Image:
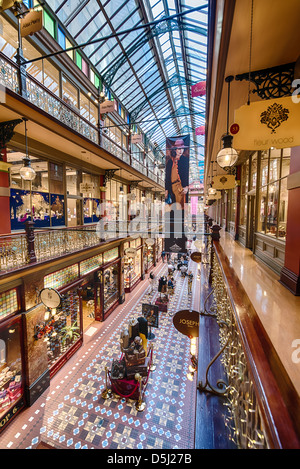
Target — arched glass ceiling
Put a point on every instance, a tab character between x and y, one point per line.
150	70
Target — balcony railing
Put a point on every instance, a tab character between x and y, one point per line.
40	96
261	414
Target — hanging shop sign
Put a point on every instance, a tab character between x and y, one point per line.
196	257
50	298
150	241
198	244
31	23
108	106
86	187
200	130
216	196
130	252
137	138
187	322
224	181
268	123
199	89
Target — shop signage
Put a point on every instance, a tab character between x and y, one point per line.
224	181
150	241
13	411
32	22
86	187
196	257
137	138
131	196
267	123
187	322
108	106
50	298
130	252
215	196
199	89
200	130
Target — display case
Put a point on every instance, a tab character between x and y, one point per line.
11	370
65	330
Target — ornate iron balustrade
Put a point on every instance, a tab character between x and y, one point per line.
40	96
261	402
13	251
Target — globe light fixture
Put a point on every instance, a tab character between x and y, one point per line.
227	156
27	172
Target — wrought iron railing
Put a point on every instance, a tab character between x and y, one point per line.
40	96
257	415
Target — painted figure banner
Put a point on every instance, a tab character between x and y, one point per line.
176	192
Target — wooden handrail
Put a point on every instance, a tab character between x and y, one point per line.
278	400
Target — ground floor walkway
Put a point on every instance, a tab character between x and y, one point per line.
72	414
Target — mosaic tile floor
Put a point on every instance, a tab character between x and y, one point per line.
72	413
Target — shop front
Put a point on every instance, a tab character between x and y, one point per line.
12	398
149	255
108	282
133	268
62	326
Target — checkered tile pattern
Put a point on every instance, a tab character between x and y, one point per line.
73	414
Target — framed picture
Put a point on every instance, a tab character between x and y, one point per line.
150	312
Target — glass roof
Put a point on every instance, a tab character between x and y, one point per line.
149	69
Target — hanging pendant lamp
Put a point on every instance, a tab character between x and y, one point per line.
227	156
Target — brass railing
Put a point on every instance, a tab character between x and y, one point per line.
243	418
259	412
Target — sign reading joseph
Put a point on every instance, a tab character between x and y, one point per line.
268	123
187	322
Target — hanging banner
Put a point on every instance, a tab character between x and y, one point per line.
176	192
200	130
224	181
137	138
268	123
199	89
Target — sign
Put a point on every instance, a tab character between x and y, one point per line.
268	123
177	192
108	106
86	187
200	130
187	322
196	257
216	196
32	22
151	313
234	128
50	297
223	181
137	138
130	252
150	241
199	89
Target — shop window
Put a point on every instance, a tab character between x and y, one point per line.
11	386
41	181
69	92
56	178
35	69
23	203
72	181
61	277
273	197
8	38
65	325
51	77
90	210
132	269
111	286
253	175
90	264
57	210
9	303
88	109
